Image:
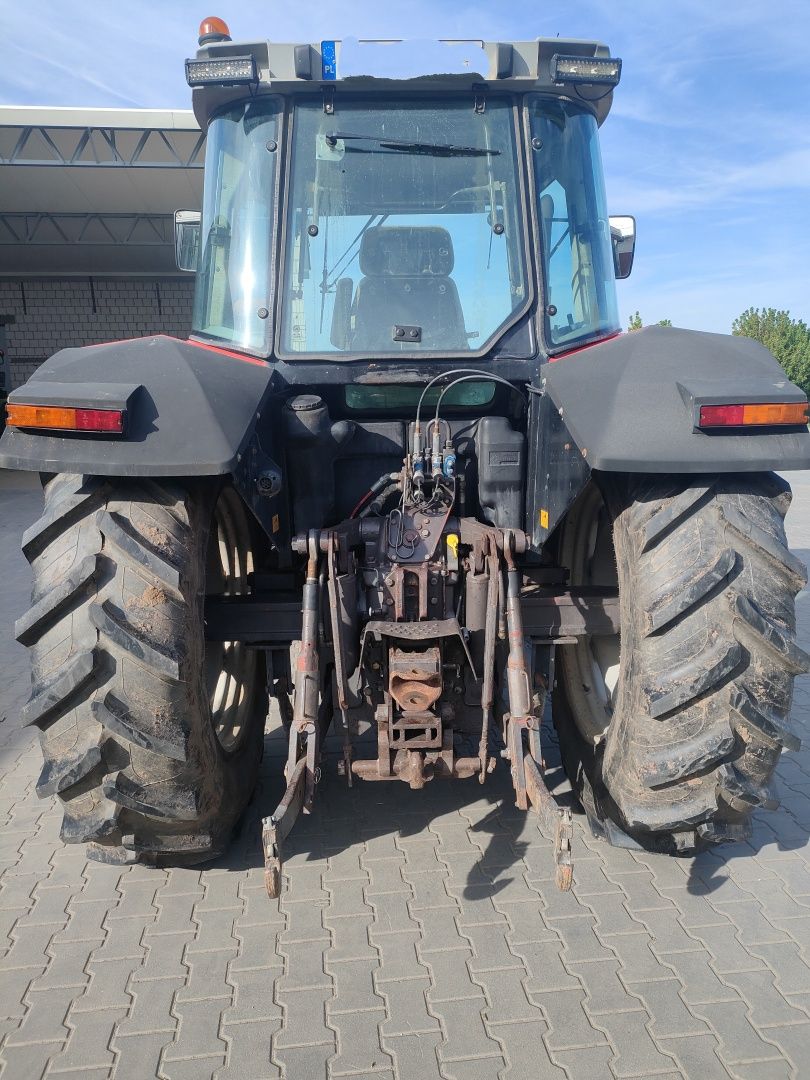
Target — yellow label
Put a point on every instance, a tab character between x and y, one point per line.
544	519
452	544
276	523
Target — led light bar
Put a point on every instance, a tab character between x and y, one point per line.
762	414
229	71
59	418
600	70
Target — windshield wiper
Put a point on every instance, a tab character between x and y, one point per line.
437	149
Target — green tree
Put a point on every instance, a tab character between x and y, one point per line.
788	339
636	322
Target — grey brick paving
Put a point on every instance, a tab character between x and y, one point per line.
418	935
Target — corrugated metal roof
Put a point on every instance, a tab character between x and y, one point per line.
93	191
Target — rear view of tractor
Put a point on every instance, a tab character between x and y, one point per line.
408	478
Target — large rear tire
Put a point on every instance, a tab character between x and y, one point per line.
151	736
671	732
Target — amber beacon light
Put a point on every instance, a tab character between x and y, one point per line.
213	29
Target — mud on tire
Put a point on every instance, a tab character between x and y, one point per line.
126	694
699	713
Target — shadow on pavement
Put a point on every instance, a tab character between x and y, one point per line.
371	810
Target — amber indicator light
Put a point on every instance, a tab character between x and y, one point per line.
59	418
763	414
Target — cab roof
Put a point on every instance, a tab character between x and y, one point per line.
362	67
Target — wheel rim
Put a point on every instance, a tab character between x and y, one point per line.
592	666
230	666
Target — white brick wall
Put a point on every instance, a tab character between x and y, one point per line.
52	314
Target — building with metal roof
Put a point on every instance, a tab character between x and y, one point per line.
87	199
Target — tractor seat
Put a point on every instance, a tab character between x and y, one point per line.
406	282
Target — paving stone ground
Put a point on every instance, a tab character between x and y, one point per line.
419	934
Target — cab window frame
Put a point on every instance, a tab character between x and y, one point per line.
542	321
522	188
263	350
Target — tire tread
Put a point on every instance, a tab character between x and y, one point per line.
703	715
118	688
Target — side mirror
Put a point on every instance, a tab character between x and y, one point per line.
187	239
623	240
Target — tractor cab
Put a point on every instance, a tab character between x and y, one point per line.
449	215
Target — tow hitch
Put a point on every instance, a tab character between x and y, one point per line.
410	658
276	827
303	761
523	727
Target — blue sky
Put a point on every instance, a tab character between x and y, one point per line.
708	142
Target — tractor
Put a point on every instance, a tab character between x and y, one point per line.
408	477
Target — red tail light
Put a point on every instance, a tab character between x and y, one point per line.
762	414
59	418
100	420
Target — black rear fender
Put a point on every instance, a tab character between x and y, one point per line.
191	411
631	405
